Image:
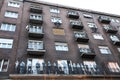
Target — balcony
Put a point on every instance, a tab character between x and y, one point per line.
35	9
104	19
115	40
73	15
36	33
81	37
76	25
87	53
110	29
36	51
37	19
35	47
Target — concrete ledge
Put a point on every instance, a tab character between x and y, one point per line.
63	77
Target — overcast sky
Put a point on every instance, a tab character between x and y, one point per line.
108	6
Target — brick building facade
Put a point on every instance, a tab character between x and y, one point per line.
39	38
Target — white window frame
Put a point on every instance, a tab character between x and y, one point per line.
80	34
72	12
113	67
32	62
64	65
2	63
11	14
33	46
35	29
61	46
6	43
88	16
91	65
118	49
14	4
36	16
54	10
98	36
104	50
8	27
55	19
114	38
91	25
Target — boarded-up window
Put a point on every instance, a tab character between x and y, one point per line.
83	46
58	32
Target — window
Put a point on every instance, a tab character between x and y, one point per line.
87	16
36	16
107	27
58	32
11	14
71	12
35	65
90	66
14	4
118	49
75	22
92	25
80	34
98	36
63	65
35	29
6	43
35	45
84	48
54	10
8	27
104	50
113	67
55	19
4	65
61	46
114	38
115	20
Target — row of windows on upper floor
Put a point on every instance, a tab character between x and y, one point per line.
75	23
39	29
59	46
35	66
52	10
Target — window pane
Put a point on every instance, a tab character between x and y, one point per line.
7	27
11	14
104	50
113	67
61	46
6	43
98	36
13	4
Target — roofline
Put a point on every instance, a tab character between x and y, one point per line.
73	8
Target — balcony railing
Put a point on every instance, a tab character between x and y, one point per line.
104	19
76	25
115	40
73	14
81	37
35	9
37	33
37	19
31	51
110	29
57	70
87	53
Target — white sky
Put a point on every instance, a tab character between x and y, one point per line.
108	6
